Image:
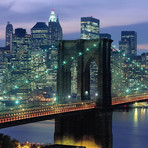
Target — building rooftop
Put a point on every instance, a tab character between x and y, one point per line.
40	25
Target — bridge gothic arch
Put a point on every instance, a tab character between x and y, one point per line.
84	51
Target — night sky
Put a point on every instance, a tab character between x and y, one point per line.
115	16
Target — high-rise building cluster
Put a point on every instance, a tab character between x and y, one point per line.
129	70
28	55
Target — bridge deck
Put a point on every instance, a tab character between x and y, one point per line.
23	114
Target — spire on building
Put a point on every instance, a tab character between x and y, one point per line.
52	17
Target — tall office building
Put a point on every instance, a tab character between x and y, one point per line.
55	29
39	36
90	28
21	61
9	32
128	43
55	34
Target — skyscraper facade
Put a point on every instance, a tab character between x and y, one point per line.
21	61
9	32
128	43
39	36
55	29
55	34
90	28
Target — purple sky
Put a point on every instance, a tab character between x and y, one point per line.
114	15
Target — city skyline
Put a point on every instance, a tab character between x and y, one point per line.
114	17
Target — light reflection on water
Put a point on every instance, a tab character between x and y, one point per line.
130	130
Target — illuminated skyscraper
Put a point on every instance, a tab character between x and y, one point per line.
55	29
20	60
90	28
128	43
55	34
44	53
9	32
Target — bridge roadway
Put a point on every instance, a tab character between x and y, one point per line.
37	112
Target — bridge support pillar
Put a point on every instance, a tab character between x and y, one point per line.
90	129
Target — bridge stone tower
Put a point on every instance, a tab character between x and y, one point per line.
84	52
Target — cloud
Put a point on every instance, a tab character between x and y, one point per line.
142	47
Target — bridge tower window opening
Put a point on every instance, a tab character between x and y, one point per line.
93	80
74	71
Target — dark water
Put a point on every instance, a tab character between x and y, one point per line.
130	130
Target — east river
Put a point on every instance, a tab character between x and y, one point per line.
129	127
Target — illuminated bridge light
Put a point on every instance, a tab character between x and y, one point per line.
46	71
4	92
80	53
15	86
87	49
55	67
72	58
64	62
27	81
16	102
127	90
95	45
37	76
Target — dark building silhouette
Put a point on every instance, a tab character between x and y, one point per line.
39	36
9	32
105	35
128	43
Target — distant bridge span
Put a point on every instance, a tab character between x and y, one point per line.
129	99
